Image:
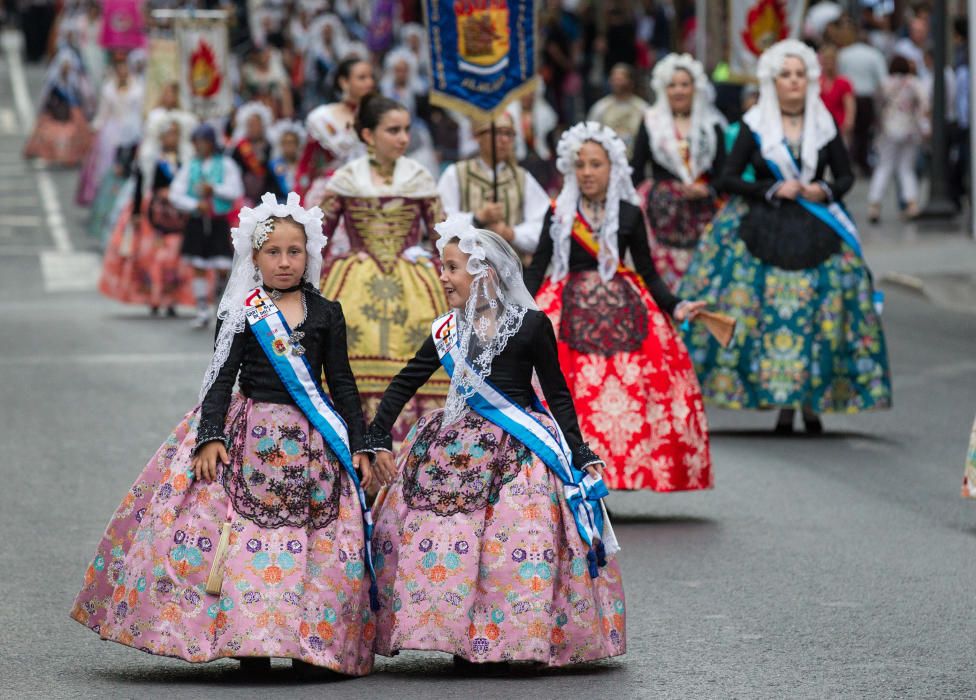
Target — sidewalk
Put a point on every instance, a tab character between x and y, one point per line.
934	259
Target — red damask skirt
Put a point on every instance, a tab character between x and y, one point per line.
635	391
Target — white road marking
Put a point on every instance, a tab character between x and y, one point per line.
11	42
8	122
70	271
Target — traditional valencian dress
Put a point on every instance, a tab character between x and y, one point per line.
636	394
387	283
142	262
478	551
287	511
61	135
118	123
631	378
791	272
332	143
253	156
677	223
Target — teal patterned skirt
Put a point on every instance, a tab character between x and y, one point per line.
803	337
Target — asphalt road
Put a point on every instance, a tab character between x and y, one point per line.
839	566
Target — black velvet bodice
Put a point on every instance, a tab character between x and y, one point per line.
326	351
643	155
631	236
532	348
778	231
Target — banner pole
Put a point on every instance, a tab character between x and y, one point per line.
494	165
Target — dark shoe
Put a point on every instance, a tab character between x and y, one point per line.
784	424
171	312
311	672
154	311
812	424
255	664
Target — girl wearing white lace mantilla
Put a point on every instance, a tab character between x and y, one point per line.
783	257
631	377
492	542
682	139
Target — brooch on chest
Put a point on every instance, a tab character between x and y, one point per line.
291	346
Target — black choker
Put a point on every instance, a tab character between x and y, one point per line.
793	115
276	294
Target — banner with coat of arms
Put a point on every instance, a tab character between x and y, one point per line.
482	53
205	87
755	25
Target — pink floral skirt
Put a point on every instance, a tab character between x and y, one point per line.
295	583
477	554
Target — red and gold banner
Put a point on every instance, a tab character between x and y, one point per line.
755	25
204	62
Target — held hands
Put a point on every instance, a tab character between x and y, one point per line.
205	463
380	473
503	230
595	470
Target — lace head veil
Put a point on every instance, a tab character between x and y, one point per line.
250	235
765	118
704	116
619	188
495	308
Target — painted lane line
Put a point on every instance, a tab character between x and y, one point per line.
11	42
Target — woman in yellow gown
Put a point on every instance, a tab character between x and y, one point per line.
386	280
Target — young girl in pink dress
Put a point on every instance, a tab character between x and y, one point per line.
247	534
491	542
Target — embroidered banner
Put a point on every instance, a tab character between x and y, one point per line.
205	86
755	25
483	53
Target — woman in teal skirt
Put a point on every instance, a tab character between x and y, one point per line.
783	258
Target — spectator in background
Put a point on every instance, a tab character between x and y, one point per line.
837	92
960	152
864	65
913	46
904	114
621	110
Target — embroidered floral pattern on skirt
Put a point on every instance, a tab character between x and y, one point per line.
641	410
676	225
804	337
295	590
477	554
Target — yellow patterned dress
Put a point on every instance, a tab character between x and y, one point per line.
386	281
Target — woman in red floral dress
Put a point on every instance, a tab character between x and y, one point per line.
632	381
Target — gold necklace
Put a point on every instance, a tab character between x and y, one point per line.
384	171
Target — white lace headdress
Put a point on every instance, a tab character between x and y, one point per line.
619	188
659	120
250	235
765	117
282	127
245	112
495	308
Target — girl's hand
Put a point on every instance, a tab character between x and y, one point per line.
595	470
696	191
790	189
688	310
814	193
205	463
361	463
385	467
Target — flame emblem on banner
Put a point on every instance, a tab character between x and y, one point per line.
765	25
484	37
204	73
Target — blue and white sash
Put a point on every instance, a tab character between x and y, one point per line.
273	335
832	213
582	490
